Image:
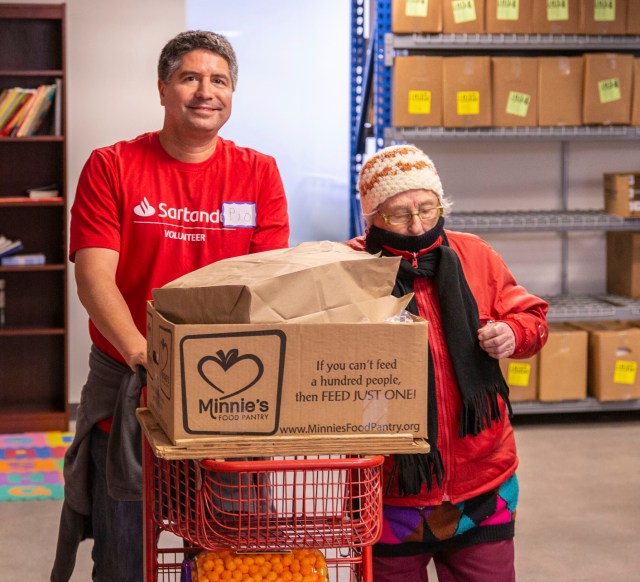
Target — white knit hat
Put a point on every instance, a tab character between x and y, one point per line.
397	169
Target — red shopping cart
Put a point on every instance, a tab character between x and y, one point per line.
328	502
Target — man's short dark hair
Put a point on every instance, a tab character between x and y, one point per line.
185	42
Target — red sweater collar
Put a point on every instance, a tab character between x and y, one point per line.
413	257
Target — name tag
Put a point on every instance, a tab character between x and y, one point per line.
239	214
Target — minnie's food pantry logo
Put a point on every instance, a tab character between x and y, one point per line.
232	382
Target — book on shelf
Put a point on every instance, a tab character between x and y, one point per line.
42	192
23	260
9	247
23	111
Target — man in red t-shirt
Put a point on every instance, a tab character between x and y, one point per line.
147	211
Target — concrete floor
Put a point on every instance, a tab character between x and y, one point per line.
578	517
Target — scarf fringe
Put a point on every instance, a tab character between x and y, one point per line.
482	408
412	471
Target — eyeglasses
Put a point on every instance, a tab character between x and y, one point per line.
424	214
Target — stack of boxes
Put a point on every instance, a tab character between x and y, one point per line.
599	359
483	91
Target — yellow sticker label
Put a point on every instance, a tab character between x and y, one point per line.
625	372
518	374
416	8
468	103
464	11
604	10
508	10
609	90
518	103
557	10
420	102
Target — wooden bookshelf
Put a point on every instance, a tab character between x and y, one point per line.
33	341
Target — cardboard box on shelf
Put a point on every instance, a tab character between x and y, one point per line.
633	17
562	364
603	16
417	92
515	91
467	92
509	17
623	263
614	359
560	90
608	86
522	377
556	16
635	104
463	16
287	378
622	194
416	16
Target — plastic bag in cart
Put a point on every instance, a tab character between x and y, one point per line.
297	565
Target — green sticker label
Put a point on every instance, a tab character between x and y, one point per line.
508	10
557	10
625	372
518	374
464	11
468	103
518	103
609	90
420	102
416	8
604	10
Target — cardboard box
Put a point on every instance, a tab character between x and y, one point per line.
603	16
623	263
635	104
515	91
622	194
560	91
633	17
286	379
608	86
417	92
509	16
463	16
467	92
522	377
614	359
562	364
409	16
556	16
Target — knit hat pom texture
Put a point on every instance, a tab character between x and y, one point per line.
393	170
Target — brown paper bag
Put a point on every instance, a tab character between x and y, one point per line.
280	285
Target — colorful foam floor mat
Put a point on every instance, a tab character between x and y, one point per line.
31	465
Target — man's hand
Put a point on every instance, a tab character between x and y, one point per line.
497	339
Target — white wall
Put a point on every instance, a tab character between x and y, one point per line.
292	100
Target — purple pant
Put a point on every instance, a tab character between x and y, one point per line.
490	562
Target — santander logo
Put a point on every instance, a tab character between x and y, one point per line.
144	208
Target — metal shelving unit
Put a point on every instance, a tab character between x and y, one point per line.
539	221
371	84
569	133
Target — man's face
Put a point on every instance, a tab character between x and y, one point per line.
197	97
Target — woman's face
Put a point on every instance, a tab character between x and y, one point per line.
410	213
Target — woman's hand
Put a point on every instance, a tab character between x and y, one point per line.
497	339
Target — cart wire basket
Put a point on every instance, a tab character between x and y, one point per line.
328	501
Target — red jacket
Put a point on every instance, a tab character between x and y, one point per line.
473	464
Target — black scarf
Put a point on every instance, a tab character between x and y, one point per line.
478	375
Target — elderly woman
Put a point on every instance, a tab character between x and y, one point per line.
457	504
